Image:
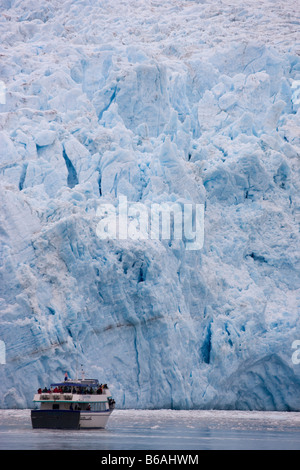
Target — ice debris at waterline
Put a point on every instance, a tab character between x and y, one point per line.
179	101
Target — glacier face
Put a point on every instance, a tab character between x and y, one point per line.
186	101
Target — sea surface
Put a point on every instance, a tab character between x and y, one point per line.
160	430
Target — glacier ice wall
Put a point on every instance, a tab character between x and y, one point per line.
184	101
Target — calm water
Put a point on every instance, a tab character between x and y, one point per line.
160	430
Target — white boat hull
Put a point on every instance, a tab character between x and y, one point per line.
90	419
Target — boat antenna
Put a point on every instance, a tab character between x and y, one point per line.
82	372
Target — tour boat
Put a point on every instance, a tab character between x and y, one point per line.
78	404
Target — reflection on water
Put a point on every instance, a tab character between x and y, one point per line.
160	430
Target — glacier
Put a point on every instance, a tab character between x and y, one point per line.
182	101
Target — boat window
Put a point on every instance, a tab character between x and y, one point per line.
55	406
101	406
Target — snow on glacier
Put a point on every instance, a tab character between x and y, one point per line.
190	101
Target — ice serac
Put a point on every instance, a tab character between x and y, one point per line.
188	102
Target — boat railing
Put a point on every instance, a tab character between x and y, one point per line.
56	396
68	395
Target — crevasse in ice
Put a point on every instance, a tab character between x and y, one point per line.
190	102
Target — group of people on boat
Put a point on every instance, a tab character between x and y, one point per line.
73	389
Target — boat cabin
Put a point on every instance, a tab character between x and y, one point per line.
84	395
